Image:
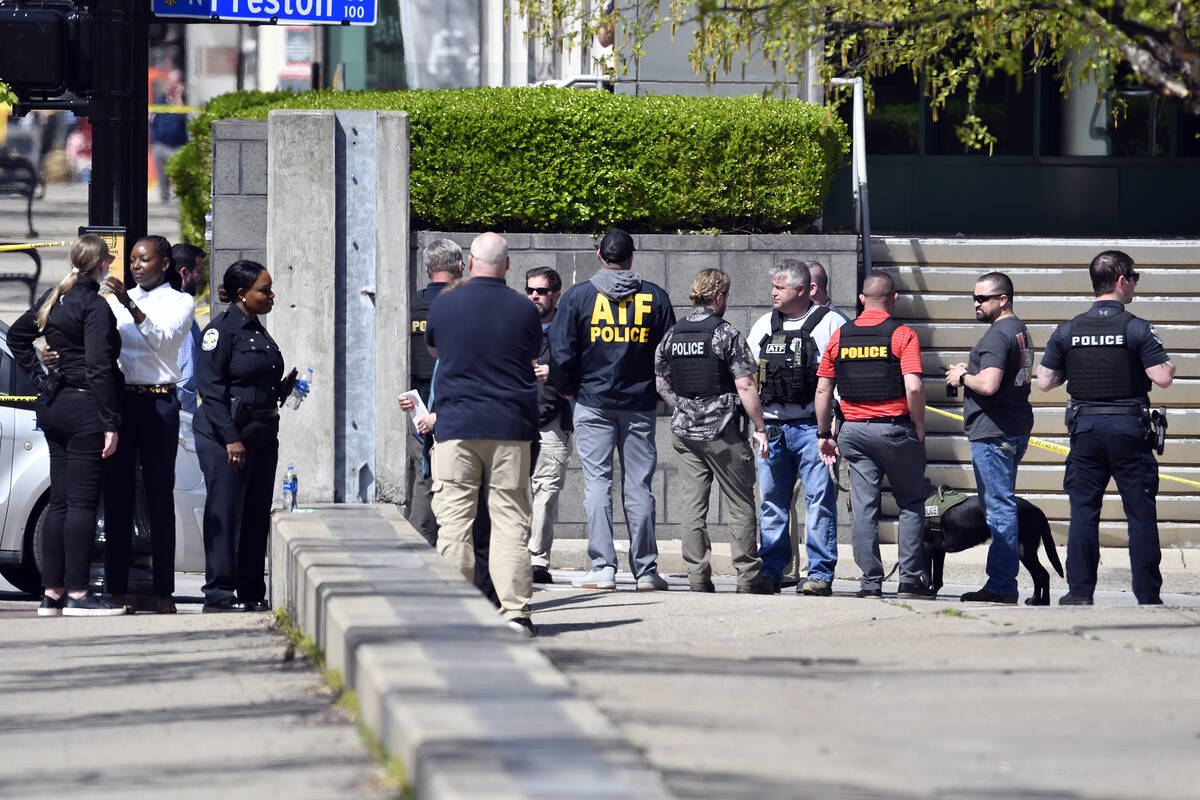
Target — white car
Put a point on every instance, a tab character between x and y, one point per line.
25	492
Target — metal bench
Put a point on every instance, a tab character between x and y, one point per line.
30	279
19	177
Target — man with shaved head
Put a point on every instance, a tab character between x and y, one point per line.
486	337
875	363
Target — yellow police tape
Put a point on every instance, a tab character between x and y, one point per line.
25	401
7	247
162	108
1058	448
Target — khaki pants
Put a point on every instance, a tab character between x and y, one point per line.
731	461
549	474
460	467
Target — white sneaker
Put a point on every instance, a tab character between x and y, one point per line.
652	582
603	578
523	626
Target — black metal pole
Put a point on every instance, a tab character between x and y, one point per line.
120	47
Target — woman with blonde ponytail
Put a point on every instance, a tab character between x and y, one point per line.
78	408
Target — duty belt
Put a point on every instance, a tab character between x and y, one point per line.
153	388
264	413
1091	411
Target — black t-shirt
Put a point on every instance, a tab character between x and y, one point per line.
1007	346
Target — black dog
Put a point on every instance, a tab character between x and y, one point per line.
964	525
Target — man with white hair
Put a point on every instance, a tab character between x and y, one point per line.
486	337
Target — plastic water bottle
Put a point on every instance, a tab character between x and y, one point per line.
289	489
300	390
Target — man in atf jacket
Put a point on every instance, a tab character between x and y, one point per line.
602	344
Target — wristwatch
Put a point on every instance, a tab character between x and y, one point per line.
826	435
962	377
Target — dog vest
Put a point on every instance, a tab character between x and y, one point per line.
787	362
936	505
696	369
867	370
1100	365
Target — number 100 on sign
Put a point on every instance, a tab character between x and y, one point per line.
309	12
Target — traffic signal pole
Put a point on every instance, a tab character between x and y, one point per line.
118	112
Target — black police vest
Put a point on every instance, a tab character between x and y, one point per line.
1100	364
420	362
787	361
696	369
867	369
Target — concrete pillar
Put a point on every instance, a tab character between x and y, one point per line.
337	250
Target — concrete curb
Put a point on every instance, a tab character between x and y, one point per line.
1180	567
472	709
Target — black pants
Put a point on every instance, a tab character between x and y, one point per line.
149	436
1104	446
75	437
237	514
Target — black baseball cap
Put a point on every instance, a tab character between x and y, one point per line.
616	247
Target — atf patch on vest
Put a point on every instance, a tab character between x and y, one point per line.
210	339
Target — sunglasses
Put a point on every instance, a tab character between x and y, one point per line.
1133	276
540	291
983	298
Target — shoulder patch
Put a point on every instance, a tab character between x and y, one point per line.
1154	335
210	339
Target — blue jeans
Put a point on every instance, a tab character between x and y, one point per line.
794	452
995	462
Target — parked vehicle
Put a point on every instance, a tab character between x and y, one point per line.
25	492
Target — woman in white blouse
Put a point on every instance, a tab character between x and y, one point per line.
153	319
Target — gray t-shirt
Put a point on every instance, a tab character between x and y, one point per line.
1008	346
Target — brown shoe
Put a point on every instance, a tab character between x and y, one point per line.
166	605
123	602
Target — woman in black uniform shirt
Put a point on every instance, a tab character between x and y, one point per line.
78	408
238	376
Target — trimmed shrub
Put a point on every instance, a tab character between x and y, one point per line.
555	160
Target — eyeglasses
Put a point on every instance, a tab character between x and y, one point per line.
540	291
983	298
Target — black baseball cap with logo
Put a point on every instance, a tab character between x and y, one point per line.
616	247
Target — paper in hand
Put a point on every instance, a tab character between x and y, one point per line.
419	409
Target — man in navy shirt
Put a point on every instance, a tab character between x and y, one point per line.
1109	358
486	338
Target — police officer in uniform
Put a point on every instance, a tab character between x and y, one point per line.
788	342
703	366
875	363
443	264
239	371
1109	358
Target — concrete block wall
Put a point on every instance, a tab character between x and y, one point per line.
239	195
672	261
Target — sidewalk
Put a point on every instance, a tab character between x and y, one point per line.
152	706
1180	567
742	696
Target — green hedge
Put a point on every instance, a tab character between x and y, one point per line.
555	160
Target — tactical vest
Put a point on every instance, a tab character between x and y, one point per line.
936	506
867	369
696	369
1100	364
787	361
419	360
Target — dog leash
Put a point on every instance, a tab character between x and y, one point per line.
1061	450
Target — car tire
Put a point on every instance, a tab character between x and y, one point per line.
27	576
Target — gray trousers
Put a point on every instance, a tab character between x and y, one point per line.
630	434
731	461
873	450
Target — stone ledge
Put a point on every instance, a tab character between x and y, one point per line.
472	710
